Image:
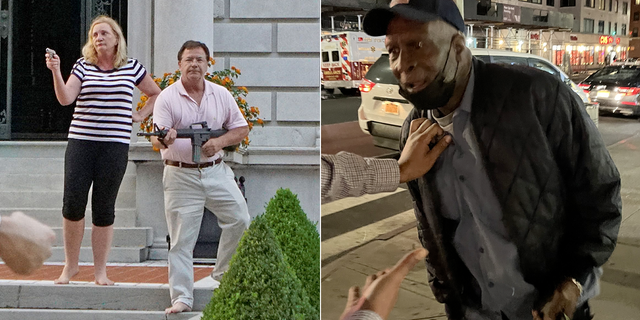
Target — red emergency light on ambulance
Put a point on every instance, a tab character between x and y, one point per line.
346	57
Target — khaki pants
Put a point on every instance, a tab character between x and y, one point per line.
186	193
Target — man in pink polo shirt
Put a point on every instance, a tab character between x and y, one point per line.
190	187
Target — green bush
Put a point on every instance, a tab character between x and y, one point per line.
259	284
299	240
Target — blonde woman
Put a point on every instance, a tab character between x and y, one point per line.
101	83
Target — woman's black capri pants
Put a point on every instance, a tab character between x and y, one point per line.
92	162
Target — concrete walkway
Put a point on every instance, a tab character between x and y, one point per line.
620	284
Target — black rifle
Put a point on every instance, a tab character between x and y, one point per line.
198	136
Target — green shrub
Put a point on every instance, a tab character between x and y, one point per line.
259	284
299	240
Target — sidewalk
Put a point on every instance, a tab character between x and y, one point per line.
620	284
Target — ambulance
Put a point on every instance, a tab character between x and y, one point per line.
346	57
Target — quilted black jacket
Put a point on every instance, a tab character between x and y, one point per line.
554	179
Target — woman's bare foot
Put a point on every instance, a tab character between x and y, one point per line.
67	274
177	308
103	280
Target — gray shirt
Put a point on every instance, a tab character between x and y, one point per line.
481	238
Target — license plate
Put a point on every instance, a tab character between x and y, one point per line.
390	107
603	94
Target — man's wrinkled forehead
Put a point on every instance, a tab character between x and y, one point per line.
194	53
400	26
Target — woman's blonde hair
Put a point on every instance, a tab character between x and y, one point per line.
89	51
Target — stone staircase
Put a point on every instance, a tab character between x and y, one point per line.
32	181
25	301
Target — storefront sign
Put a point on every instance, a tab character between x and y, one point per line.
535	36
511	14
607	40
617	40
573	37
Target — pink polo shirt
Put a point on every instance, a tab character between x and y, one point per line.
174	108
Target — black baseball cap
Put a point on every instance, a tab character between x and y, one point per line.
377	20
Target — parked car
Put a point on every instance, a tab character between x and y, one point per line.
383	110
616	88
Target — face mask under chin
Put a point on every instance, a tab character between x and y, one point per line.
435	95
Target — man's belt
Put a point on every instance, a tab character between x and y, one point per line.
192	165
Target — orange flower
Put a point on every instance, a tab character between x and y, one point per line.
157	80
212	61
171	81
259	121
242	111
166	74
244	89
250	125
242	101
253	109
144	98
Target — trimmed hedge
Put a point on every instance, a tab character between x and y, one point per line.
299	240
259	283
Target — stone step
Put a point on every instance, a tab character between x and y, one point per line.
49	182
29	165
53	217
46	295
22	314
53	199
118	254
33	149
122	237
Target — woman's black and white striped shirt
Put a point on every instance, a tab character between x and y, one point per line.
103	107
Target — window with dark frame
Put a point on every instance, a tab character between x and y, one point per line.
601	27
588	25
551	3
615	29
635	32
567	3
636	16
602	4
610	5
624	30
625	7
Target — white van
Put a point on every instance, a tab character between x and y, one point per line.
383	110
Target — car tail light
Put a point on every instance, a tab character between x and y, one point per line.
629	91
585	87
366	85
